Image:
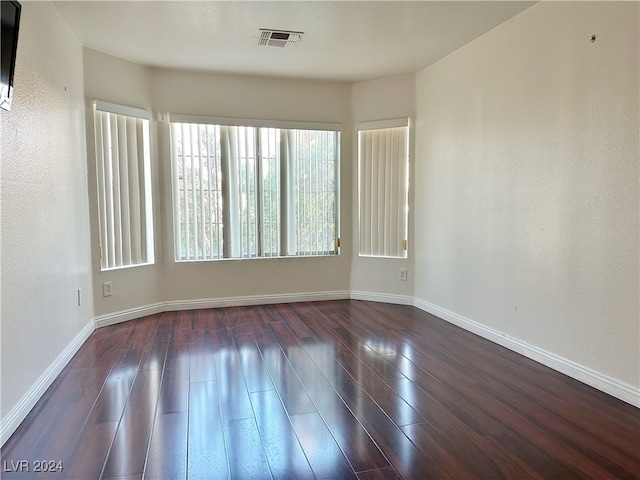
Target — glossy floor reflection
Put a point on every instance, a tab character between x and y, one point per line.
328	390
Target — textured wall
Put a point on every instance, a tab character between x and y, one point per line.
527	183
45	226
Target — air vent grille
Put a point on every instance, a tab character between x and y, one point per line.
279	38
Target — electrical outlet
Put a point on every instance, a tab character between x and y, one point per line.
107	289
403	274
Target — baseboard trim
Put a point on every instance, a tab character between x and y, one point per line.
382	297
623	391
20	411
172	306
129	314
256	300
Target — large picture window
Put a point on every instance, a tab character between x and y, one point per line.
254	190
124	185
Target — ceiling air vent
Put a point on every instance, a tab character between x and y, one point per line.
279	38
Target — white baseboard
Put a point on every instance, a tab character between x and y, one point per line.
623	391
172	306
382	297
256	300
126	315
20	411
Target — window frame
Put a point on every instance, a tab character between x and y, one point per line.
257	124
107	226
403	184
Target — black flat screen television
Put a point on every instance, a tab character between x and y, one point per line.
9	23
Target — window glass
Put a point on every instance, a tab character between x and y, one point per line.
249	192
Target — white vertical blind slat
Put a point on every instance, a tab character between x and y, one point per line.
258	202
201	204
364	187
279	189
377	145
117	217
395	214
386	247
301	190
133	210
208	219
373	201
246	251
214	131
125	217
194	191
391	246
225	154
108	192
185	191
145	225
231	216
288	203
402	193
322	244
101	146
314	218
177	218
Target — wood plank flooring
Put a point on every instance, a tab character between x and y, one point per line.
327	390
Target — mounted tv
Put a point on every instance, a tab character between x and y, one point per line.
9	23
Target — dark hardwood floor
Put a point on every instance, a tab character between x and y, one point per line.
329	390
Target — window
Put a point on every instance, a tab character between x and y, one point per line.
124	185
265	189
383	187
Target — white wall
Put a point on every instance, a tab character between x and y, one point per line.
527	183
45	224
382	99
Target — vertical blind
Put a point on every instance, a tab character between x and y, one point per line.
383	183
124	185
248	192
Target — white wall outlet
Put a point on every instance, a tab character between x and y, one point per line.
107	289
403	274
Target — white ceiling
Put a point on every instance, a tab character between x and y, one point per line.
344	40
